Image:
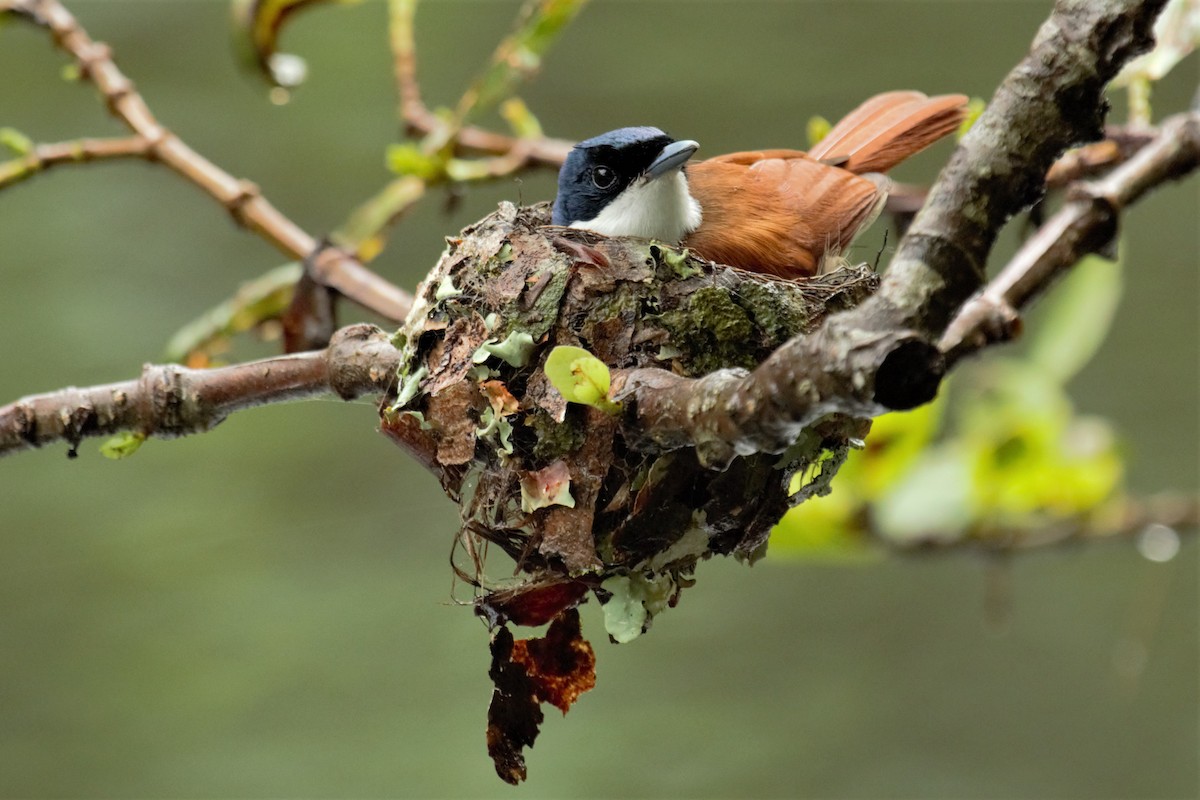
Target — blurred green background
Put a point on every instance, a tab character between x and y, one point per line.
266	610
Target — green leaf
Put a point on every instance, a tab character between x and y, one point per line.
515	350
16	141
580	377
522	121
408	159
975	107
817	129
932	501
520	54
123	445
634	602
1075	318
409	386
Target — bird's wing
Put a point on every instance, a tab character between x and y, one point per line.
782	216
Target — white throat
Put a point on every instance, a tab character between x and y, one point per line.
661	208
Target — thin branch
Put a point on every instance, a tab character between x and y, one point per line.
1086	224
1120	144
418	119
42	157
404	59
242	199
1178	512
169	401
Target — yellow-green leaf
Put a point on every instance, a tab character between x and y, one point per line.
975	107
1074	319
16	141
123	445
408	159
817	129
580	377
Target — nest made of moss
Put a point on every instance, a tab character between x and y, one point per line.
557	486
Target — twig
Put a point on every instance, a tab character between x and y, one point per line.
404	60
1086	224
1178	512
79	151
170	401
416	116
264	298
1119	145
242	199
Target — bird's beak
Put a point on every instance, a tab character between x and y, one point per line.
672	157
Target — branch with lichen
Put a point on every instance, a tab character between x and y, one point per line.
881	355
169	401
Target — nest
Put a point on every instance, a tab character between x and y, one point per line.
556	486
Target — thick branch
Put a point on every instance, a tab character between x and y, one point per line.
1050	101
169	401
1086	224
732	412
879	355
242	199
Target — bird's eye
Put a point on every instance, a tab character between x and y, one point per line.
603	177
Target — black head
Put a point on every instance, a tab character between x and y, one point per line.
599	169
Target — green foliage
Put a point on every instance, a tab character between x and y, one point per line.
520	119
409	159
515	350
520	54
1007	454
123	445
975	107
817	129
17	142
580	377
1078	314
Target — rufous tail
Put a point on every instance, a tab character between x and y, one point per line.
889	128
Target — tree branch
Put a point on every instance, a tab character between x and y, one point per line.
242	199
1086	224
42	157
170	401
879	356
518	152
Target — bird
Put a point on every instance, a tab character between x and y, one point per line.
784	213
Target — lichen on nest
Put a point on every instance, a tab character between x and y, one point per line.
555	485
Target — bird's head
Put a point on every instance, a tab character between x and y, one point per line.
628	182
